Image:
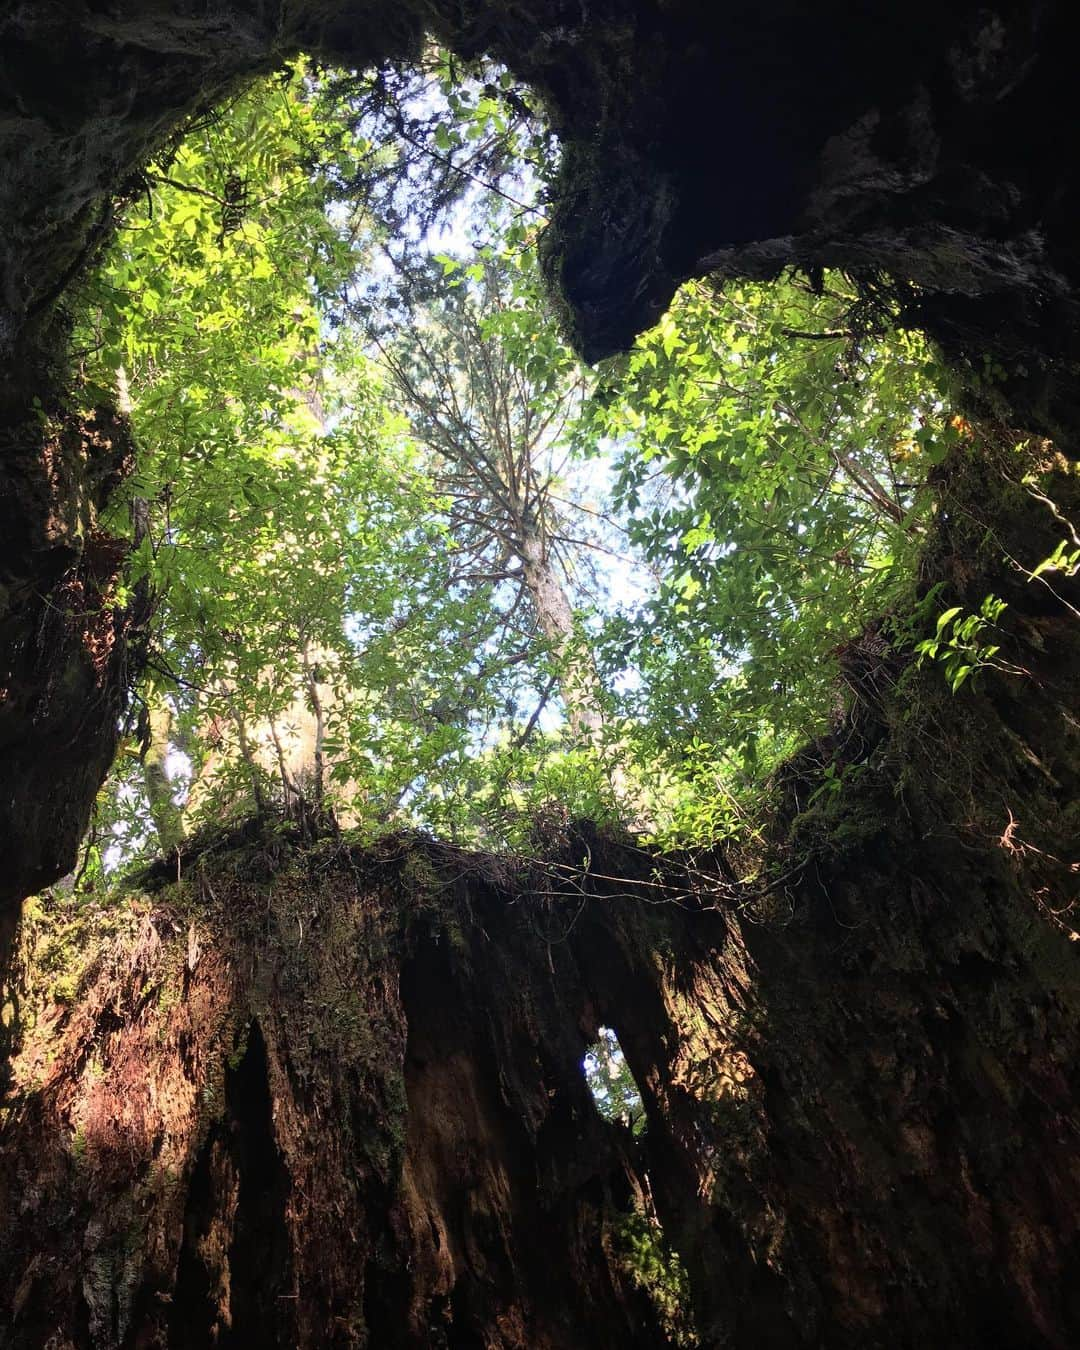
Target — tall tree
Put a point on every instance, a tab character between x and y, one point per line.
492	394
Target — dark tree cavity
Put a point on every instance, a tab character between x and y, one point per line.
336	1098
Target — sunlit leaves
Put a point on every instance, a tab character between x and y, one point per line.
343	441
772	461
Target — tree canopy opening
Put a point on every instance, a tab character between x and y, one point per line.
410	562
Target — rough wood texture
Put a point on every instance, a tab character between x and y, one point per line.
334	1100
320	1104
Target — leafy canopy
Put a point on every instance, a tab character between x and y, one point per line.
359	429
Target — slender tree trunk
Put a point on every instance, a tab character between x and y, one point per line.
318	712
166	815
578	680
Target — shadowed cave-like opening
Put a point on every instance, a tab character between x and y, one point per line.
238	1199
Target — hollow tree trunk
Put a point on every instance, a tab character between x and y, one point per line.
317	1105
344	1098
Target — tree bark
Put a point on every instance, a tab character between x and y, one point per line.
166	815
578	681
326	1114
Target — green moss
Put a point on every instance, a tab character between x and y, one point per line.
65	989
240	1048
78	1146
657	1269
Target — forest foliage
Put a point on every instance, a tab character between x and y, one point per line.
412	562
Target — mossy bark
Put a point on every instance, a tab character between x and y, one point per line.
333	1098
